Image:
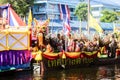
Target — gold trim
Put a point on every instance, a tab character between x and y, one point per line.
18	40
18	32
8	46
3	46
19	49
7	41
28	39
3	34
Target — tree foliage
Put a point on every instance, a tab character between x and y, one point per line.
3	1
81	11
108	16
20	6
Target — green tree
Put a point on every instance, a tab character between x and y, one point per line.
108	16
20	6
3	1
81	11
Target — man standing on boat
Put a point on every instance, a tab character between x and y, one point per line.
113	46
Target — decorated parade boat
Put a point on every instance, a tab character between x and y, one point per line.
14	41
52	59
46	53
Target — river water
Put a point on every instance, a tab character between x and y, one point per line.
109	72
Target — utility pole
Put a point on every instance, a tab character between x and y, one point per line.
88	27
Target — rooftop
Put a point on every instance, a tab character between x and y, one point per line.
109	3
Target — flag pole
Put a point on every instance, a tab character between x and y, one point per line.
88	17
114	27
65	37
52	18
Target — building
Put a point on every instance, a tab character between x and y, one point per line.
44	9
98	5
49	8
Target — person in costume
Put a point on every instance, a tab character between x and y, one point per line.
113	46
70	44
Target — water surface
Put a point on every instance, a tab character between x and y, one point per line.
110	72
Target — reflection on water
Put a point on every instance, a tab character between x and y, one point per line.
89	73
105	73
111	72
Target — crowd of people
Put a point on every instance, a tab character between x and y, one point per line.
70	43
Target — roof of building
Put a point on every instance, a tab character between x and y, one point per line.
77	24
109	3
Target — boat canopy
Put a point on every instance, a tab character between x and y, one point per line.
9	16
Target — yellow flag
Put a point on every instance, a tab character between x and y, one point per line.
93	23
114	28
30	18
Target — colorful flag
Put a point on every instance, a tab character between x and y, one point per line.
30	18
65	16
114	28
66	27
64	11
94	24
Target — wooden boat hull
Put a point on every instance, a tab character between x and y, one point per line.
78	60
107	61
73	63
66	63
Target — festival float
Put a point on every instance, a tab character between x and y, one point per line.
14	41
